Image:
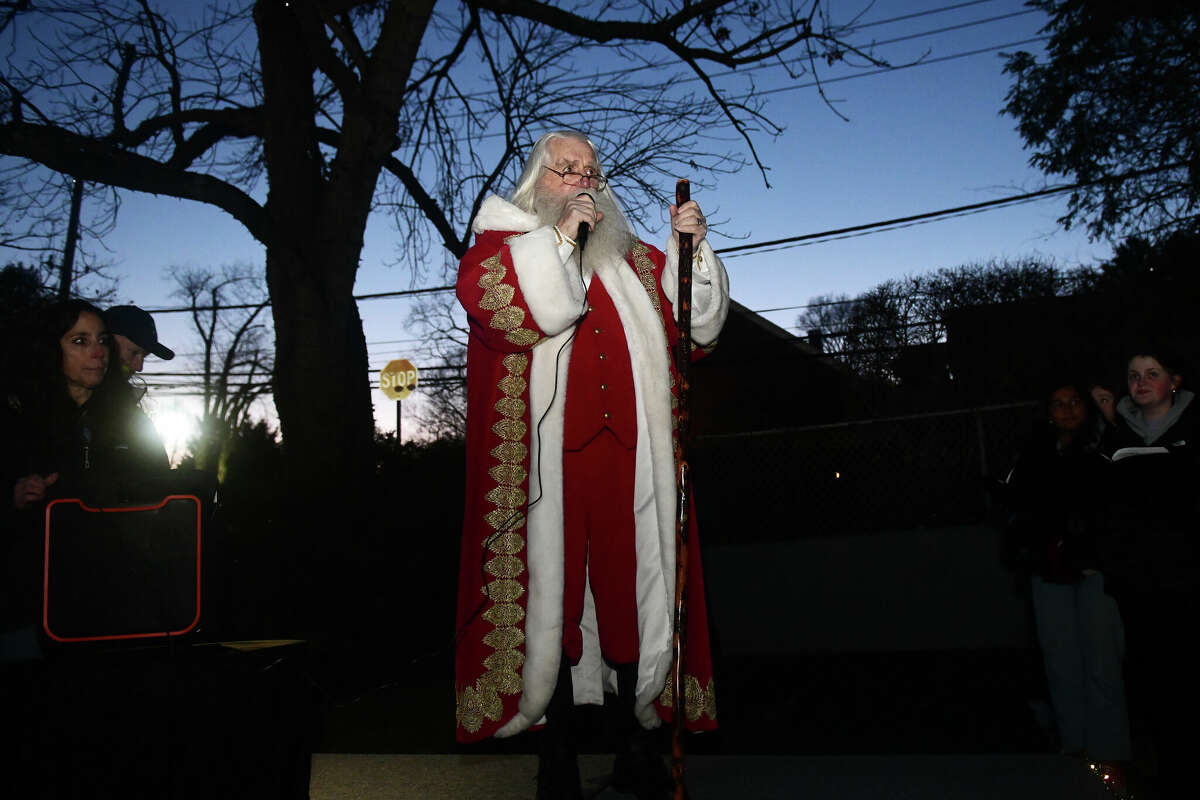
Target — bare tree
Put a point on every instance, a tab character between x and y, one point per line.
825	321
442	411
227	311
346	107
871	331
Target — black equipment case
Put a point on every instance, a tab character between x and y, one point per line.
125	563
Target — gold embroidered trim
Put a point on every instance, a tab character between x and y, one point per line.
506	544
508	318
516	364
511	407
511	429
506	496
697	702
510	452
523	337
504	567
475	704
505	660
507	681
645	271
513	386
504	590
497	297
508	474
507	614
504	638
495	272
560	237
504	518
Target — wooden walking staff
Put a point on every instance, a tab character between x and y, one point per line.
683	357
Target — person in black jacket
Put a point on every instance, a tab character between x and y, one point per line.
1056	495
71	418
1150	551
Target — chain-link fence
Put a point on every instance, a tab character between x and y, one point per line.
926	469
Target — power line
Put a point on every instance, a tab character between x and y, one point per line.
917	14
948	28
268	303
410	340
928	216
624	71
791	241
267	379
925	62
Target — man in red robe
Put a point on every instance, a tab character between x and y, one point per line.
566	584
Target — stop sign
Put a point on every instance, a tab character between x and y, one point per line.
398	379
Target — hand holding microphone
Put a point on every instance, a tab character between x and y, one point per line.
579	216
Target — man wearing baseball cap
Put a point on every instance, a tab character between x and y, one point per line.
136	337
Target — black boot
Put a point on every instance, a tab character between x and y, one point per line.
639	768
558	770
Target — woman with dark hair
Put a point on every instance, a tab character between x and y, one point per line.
74	416
1056	492
1150	551
69	419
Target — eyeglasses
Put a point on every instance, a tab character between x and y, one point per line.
572	178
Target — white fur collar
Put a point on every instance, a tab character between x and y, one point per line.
497	214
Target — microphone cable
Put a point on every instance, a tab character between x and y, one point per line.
515	518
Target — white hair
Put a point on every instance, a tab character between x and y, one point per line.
523	195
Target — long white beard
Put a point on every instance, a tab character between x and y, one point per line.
610	239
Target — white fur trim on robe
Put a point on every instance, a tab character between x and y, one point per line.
555	297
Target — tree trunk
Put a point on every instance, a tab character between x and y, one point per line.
317	218
67	270
321	391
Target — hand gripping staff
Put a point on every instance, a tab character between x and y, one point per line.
683	353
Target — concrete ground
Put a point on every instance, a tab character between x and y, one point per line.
884	726
242	720
344	776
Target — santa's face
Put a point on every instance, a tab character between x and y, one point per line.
567	154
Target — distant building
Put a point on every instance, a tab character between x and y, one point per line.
763	377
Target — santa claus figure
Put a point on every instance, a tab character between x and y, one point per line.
567	579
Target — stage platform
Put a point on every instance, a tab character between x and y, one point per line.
349	776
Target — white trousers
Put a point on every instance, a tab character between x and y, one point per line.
1083	646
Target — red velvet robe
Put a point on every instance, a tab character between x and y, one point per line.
521	303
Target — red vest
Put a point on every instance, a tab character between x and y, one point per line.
599	378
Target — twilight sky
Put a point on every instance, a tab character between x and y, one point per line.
916	139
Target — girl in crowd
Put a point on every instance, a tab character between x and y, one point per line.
1150	551
1056	490
1157	410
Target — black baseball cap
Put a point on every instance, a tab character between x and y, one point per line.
138	326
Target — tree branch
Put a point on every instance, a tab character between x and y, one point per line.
429	207
95	161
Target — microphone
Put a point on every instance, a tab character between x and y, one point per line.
581	236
